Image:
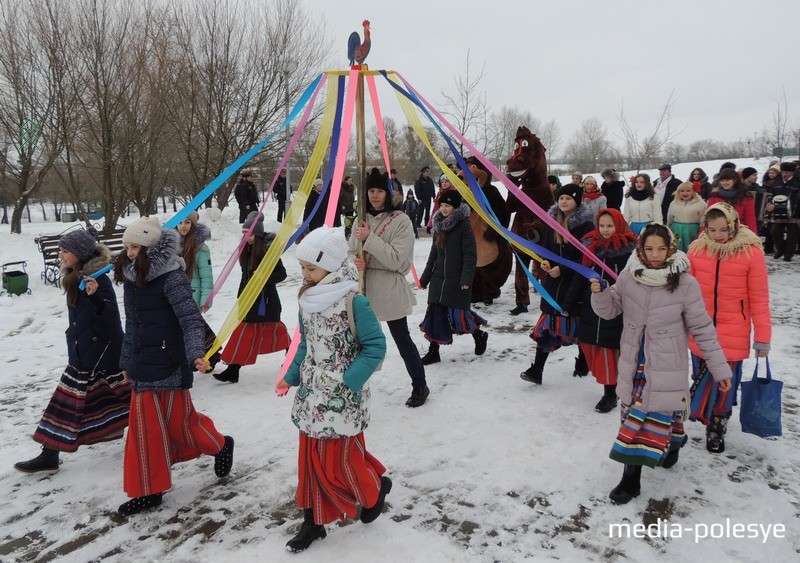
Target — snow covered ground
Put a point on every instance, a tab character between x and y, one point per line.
491	469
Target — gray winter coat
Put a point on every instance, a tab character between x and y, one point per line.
664	319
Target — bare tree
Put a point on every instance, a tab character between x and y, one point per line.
466	107
500	131
642	150
590	149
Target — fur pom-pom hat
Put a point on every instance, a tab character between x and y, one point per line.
145	231
81	243
325	247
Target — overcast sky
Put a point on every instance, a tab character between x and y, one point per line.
727	61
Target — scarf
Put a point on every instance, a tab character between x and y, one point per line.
742	238
643	273
330	289
592	195
623	237
639	195
727	195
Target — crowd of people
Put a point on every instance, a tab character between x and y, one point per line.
691	284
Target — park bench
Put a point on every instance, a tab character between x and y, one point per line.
48	246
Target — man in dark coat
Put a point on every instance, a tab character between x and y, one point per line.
397	186
613	188
280	191
246	195
785	217
425	192
665	188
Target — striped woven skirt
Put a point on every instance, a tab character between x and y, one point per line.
645	438
554	331
164	430
87	407
250	340
602	362
441	323
707	398
335	475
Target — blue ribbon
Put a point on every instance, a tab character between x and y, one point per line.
97	274
242	160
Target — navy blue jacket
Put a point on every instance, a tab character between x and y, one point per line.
94	335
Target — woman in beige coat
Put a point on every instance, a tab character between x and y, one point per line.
661	304
388	237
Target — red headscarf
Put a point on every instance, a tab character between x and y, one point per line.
622	237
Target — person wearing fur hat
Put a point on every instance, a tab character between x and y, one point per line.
449	272
731	189
261	331
424	190
341	346
661	305
387	236
553	329
613	242
641	204
685	214
728	261
92	399
784	213
164	342
613	188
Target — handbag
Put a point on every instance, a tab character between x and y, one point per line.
760	412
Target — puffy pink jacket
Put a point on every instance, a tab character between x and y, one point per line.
736	295
665	320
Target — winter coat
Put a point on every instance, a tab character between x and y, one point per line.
319	217
331	368
789	189
347	200
664	319
164	330
746	208
451	267
561	288
280	189
411	208
614	193
267	306
424	188
202	274
94	335
644	211
592	329
686	211
594	205
665	196
389	251
733	280
246	194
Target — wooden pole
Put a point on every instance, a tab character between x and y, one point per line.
361	155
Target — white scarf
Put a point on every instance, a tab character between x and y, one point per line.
676	264
329	290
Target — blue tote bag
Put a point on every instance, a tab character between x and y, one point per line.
760	412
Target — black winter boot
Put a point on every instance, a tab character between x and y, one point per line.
432	355
370	514
223	461
715	434
418	396
534	373
481	338
214	359
229	375
45	462
672	457
581	367
139	504
520	308
307	534
630	486
609	400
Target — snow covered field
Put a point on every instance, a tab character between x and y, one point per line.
491	469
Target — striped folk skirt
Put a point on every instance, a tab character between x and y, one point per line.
554	331
645	438
707	398
164	430
87	407
335	475
441	323
250	340
602	362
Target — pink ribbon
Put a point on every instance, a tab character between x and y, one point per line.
344	143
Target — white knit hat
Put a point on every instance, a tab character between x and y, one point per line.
325	247
145	231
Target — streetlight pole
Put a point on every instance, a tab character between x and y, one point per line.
289	66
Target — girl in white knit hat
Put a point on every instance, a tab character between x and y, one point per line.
341	346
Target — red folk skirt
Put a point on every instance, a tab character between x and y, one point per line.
164	429
250	340
336	474
602	362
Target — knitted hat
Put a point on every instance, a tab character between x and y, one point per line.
442	178
145	231
775	167
325	247
258	230
572	190
194	217
747	172
450	197
81	243
725	165
788	167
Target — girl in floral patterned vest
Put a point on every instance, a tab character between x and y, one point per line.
341	345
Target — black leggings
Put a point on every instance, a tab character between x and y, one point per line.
408	351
